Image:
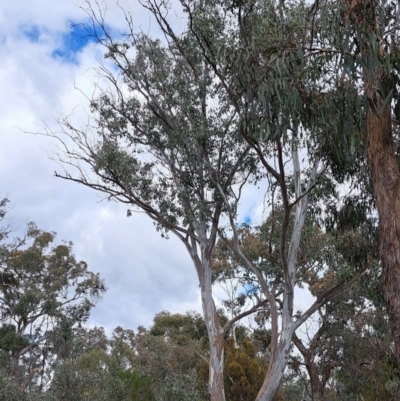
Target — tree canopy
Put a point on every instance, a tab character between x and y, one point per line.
45	293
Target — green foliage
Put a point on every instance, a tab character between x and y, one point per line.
244	372
95	376
136	387
179	387
9	390
181	329
10	341
143	367
168	119
44	293
368	365
5	228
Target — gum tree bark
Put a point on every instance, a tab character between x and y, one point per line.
280	357
282	332
385	177
383	163
215	331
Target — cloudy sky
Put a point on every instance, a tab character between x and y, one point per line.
46	70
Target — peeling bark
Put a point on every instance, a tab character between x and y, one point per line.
277	368
281	355
214	329
216	338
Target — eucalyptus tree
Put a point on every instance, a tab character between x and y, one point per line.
9	390
373	26
100	368
187	124
165	142
44	293
355	44
262	56
349	352
341	339
348	247
326	258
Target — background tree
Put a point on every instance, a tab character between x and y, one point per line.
244	371
5	227
244	367
44	293
173	351
349	247
368	367
100	368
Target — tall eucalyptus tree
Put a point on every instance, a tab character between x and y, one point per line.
375	26
285	102
166	142
357	45
188	123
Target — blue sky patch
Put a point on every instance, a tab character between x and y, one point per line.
78	36
250	288
247	220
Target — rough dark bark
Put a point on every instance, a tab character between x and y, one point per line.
318	377
385	177
386	182
383	163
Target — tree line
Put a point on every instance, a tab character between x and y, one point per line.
47	352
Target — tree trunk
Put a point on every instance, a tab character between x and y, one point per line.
215	332
276	369
277	365
317	387
382	160
386	182
216	372
216	338
385	178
